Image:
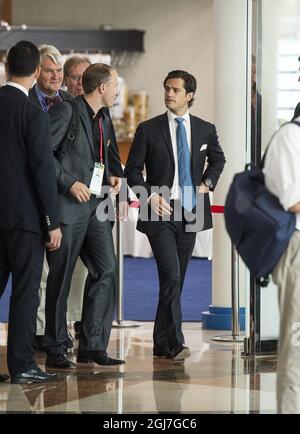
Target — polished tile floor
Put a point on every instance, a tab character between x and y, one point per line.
215	379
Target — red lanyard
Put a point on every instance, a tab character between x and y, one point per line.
101	140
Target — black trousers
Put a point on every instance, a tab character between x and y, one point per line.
92	241
172	249
21	254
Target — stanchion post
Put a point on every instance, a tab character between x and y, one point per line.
235	311
235	302
120	268
120	322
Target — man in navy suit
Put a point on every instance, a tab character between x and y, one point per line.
30	212
174	148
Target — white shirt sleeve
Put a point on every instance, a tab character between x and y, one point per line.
282	166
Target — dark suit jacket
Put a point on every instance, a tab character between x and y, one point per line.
79	159
113	151
152	146
27	184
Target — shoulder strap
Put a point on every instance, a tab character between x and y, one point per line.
70	133
295	122
73	126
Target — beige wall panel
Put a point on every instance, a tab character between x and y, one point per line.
179	34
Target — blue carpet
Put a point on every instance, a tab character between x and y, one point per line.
141	290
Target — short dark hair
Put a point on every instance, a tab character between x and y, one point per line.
190	83
23	59
95	75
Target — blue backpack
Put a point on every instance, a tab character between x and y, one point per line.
259	227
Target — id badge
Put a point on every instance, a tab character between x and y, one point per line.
97	178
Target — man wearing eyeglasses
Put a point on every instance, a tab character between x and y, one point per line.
74	67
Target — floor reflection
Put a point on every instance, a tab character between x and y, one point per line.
174	373
215	379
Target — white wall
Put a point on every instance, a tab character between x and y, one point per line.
179	35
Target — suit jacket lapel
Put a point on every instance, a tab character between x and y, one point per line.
165	130
33	96
86	123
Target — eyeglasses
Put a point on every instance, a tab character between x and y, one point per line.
75	77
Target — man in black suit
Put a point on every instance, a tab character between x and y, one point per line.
79	169
174	148
29	192
74	68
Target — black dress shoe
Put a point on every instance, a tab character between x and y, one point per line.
164	353
60	361
99	357
35	375
181	353
3	377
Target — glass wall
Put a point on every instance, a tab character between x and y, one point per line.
276	48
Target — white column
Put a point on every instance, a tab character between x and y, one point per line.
230	116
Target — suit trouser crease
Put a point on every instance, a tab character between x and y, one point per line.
172	248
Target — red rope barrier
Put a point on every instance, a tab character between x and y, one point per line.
217	209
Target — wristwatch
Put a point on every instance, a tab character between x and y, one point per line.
208	182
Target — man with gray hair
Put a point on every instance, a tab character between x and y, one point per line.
45	93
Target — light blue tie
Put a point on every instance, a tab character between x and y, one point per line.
188	197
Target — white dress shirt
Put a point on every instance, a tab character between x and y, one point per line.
18	86
282	167
175	191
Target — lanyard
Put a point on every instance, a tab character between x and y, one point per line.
101	140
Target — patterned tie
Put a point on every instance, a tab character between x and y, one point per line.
188	197
52	100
